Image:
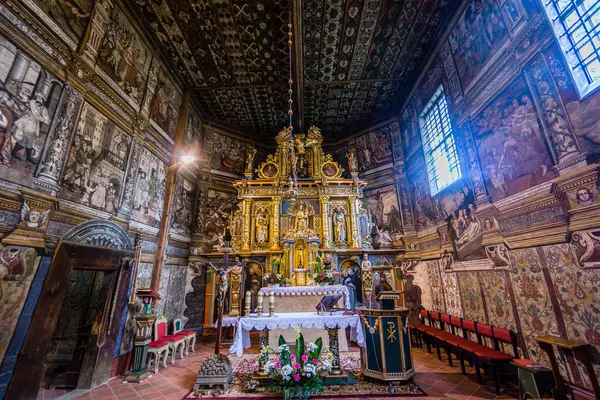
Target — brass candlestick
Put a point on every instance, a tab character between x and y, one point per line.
271	305
247	305
259	312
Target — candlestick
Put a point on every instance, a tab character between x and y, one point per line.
247	305
260	305
272	305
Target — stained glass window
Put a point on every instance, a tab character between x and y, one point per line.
438	143
576	24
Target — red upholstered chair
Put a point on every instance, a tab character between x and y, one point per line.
494	357
190	336
160	349
175	341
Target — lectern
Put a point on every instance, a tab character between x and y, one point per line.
387	355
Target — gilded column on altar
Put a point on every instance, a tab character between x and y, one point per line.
354	243
247	211
276	205
325	221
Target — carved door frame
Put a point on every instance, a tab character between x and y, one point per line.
96	245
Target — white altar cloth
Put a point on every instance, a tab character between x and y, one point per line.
291	321
308	291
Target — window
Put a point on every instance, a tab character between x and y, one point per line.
576	24
438	143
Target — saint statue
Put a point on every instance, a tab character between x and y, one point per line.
250	160
352	163
365	264
352	282
339	227
261	227
301	218
275	264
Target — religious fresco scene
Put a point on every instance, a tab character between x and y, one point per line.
299	199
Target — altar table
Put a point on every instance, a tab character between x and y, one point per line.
332	323
304	299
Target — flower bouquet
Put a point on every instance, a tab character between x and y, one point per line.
323	278
273	279
297	375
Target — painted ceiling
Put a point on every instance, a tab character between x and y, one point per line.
354	64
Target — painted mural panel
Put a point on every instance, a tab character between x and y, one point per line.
194	297
18	266
452	294
164	108
512	150
382	205
72	16
183	207
410	132
472	301
96	164
225	154
422	281
578	298
534	305
193	134
124	57
144	276
374	149
423	211
477	35
497	297
435	286
29	100
583	115
150	190
219	208
175	302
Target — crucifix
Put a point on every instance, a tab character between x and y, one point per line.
223	271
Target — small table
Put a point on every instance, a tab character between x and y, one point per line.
579	350
332	323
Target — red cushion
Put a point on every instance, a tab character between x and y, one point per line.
472	346
469	325
484	329
186	332
173	338
502	334
442	334
424	313
435	315
456	341
161	330
445	318
523	362
493	355
158	344
426	328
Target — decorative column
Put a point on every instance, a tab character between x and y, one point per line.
163	233
125	207
55	152
354	243
334	347
96	31
247	206
324	200
234	292
276	211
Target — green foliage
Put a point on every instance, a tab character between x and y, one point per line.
299	346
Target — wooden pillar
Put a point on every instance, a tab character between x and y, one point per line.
163	233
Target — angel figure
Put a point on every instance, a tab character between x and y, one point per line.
33	218
584	196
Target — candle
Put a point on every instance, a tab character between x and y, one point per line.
272	298
259	306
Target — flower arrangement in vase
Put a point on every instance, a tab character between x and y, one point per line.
298	374
323	278
273	279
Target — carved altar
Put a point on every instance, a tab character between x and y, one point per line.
324	212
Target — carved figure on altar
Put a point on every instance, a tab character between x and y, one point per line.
262	226
381	284
353	283
352	164
365	264
250	160
275	265
339	225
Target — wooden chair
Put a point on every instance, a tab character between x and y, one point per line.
175	341
160	349
190	336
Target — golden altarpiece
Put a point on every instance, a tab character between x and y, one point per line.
286	224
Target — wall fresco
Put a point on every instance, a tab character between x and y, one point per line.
29	100
96	164
382	204
183	207
164	108
72	16
435	286
374	149
423	211
452	294
512	149
150	190
471	296
225	154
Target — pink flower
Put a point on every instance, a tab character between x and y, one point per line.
315	361
297	377
272	280
296	365
278	364
304	358
292	357
322	278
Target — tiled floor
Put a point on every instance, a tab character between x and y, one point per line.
433	376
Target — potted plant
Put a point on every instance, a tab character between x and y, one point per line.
273	280
298	375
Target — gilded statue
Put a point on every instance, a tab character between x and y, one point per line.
262	226
250	160
339	225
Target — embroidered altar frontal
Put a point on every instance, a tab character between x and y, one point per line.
387	354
